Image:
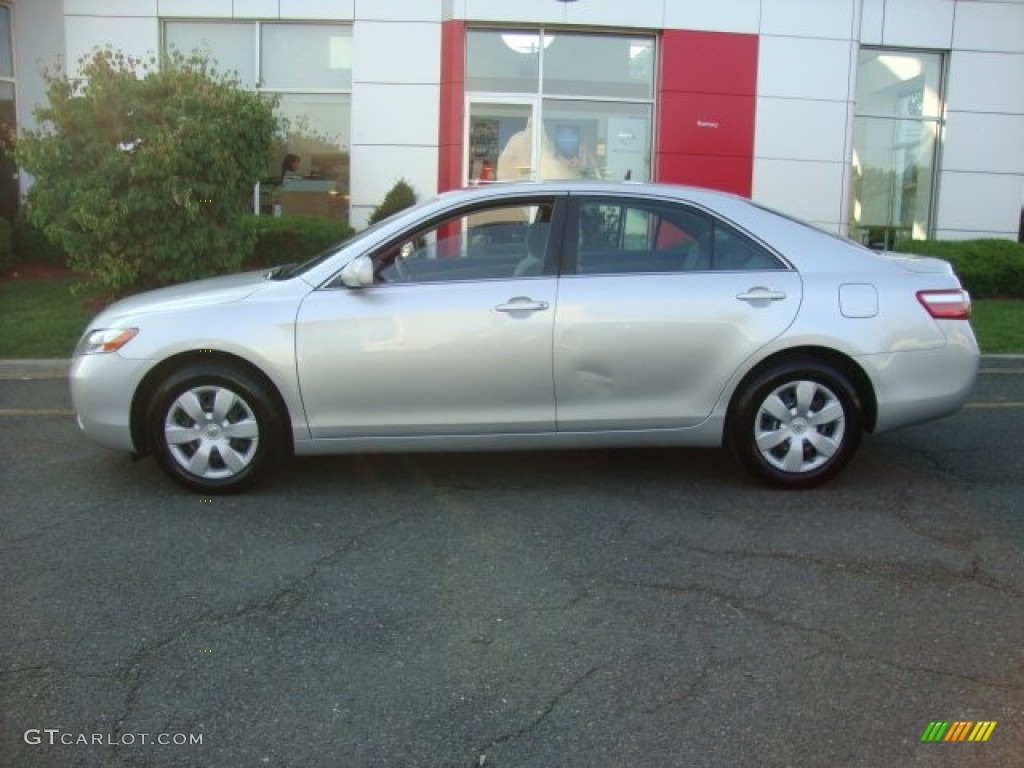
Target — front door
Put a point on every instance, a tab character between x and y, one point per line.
454	337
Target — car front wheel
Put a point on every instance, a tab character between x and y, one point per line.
214	429
796	425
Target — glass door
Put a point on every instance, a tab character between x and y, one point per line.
500	141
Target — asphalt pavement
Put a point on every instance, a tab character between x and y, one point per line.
587	608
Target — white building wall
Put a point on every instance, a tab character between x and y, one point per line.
396	98
806	84
981	181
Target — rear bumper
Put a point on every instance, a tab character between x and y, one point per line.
920	385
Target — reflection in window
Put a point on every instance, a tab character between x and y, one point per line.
309	68
591	117
501	241
896	132
227	45
638	238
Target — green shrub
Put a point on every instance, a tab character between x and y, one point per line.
145	176
6	249
31	246
292	239
988	268
398	198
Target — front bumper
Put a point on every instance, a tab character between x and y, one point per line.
102	387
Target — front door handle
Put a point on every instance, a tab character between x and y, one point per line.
760	293
522	304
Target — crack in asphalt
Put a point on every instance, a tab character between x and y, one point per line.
286	596
542	715
936	575
741	605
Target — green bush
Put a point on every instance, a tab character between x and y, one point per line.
398	198
145	176
6	249
292	239
31	246
988	268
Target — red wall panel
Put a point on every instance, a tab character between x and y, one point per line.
453	95
707	98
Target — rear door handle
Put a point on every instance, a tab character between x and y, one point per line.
760	293
522	304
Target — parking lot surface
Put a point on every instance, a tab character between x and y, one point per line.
618	608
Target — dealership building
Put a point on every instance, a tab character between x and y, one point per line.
876	119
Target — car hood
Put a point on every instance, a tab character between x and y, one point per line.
215	290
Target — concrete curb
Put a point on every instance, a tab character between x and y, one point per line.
28	370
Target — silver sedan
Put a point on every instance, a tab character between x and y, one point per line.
559	315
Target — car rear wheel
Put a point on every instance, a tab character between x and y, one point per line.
214	429
796	425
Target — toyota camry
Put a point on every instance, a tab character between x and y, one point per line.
540	316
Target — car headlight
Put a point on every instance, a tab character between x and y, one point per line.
105	340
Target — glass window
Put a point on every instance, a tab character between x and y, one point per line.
591	140
607	66
733	251
502	62
309	166
589	116
502	241
635	238
899	84
6	53
308	67
307	56
896	132
230	46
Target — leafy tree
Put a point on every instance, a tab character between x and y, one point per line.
144	177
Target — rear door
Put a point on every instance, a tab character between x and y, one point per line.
659	304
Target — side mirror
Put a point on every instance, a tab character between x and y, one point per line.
358	273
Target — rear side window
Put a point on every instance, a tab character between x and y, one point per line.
627	236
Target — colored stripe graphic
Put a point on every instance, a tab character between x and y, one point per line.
958	730
982	731
935	730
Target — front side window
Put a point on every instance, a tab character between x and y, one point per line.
309	68
896	137
502	241
546	104
619	237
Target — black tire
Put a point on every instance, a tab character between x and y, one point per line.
808	419
236	426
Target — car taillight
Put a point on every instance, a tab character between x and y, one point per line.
946	305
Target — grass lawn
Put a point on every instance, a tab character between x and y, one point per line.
999	324
41	318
